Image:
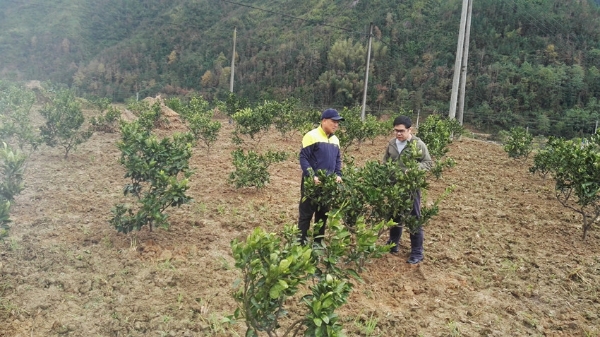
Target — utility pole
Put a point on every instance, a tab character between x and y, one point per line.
232	61
465	62
364	102
457	63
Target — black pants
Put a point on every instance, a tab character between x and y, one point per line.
416	239
307	209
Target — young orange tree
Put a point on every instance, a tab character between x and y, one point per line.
64	121
437	133
575	167
518	142
158	170
12	166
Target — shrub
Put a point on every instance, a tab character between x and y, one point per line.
437	133
15	121
252	169
4	218
108	120
198	117
253	122
159	172
285	117
518	143
234	104
12	166
575	168
354	130
275	267
377	191
64	120
272	271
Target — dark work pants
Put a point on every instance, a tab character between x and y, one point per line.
416	239
307	209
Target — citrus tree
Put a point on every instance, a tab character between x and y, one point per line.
199	119
273	268
16	135
64	121
518	142
276	269
285	117
575	167
15	117
437	133
108	118
158	169
251	123
234	103
376	192
353	130
252	168
12	167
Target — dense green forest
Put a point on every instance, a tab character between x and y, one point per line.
534	63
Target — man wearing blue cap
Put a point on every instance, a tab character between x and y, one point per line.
320	151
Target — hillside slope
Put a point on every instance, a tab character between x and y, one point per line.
531	63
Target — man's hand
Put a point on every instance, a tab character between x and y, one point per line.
316	180
338	179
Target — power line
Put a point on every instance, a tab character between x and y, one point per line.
290	16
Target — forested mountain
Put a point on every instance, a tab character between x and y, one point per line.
534	63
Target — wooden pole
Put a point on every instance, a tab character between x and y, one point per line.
364	102
465	62
457	64
232	60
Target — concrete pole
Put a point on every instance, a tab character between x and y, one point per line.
465	62
232	61
457	64
364	102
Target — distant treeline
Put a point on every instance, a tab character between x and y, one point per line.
531	63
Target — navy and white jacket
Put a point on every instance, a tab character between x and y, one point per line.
320	152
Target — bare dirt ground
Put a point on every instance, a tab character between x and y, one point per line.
503	257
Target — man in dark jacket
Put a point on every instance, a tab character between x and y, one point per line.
320	151
394	151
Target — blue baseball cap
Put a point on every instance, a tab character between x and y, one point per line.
331	114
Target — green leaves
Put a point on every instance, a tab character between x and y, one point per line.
330	293
575	167
15	120
12	167
198	117
354	130
64	119
251	168
518	143
438	133
159	172
376	191
272	270
253	122
107	121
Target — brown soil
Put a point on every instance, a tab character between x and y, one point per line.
503	257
